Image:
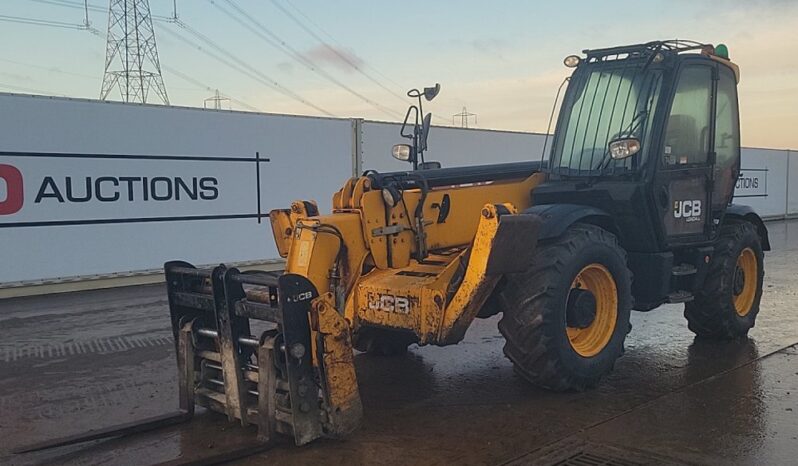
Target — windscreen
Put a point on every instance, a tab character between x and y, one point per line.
606	101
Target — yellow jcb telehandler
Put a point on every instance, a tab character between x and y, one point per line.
631	209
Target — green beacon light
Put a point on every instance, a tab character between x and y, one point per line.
722	51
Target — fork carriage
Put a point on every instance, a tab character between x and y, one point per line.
267	380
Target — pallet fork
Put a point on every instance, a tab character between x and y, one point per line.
274	381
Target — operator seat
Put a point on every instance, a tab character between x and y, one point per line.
683	139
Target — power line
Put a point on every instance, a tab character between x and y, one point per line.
194	81
40	22
334	50
91	7
340	55
85	5
237	64
48	69
188	79
75	5
329	36
28	89
86	14
277	42
216	57
231	60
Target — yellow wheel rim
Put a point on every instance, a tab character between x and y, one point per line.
589	341
745	282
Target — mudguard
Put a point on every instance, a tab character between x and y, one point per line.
556	218
747	213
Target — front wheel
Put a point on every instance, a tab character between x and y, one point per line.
566	318
727	305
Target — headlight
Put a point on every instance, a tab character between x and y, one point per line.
391	196
622	148
402	152
572	61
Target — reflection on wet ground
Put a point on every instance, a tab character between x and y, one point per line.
73	362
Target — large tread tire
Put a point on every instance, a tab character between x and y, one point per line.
712	313
534	310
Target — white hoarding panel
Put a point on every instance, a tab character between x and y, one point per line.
453	147
763	181
90	188
792	183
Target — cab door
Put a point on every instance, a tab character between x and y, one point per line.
682	187
727	142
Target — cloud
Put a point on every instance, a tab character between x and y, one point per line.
750	10
519	103
490	46
325	54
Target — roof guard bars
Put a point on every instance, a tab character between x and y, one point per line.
676	45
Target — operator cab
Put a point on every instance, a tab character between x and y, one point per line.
650	134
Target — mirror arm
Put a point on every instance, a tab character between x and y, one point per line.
404	124
416	152
416	135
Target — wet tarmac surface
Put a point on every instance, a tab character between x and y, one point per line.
70	363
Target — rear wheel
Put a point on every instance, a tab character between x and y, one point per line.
728	303
566	318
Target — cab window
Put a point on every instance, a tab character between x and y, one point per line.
688	126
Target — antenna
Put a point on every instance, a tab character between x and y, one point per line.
131	56
464	116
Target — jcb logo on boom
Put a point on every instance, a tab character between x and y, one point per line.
389	303
688	210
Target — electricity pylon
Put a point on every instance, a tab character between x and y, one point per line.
131	55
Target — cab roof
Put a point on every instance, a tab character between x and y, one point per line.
650	49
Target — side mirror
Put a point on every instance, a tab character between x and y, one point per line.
431	92
422	138
624	147
403	152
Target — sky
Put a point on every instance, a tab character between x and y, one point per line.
502	60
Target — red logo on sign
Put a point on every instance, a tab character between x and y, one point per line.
14	192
